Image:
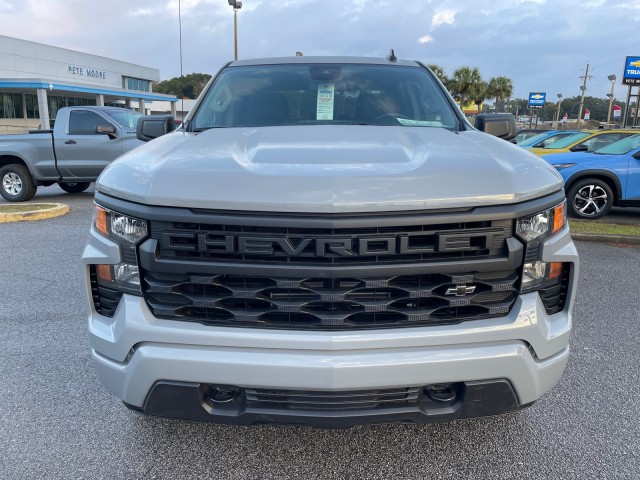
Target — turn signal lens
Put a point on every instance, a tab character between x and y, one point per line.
555	270
559	218
104	273
101	220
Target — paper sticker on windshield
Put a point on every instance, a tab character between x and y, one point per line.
419	123
324	109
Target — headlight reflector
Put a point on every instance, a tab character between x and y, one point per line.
542	225
127	232
534	229
130	229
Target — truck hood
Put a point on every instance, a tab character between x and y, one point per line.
328	168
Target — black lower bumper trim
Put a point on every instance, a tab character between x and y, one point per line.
193	401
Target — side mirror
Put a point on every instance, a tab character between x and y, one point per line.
579	148
154	126
636	155
502	125
109	130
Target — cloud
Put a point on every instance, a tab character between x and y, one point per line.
445	16
426	39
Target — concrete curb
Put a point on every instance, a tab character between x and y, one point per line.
622	239
56	210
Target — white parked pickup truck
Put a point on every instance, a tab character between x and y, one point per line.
327	241
82	143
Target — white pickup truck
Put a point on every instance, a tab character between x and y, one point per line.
82	143
328	241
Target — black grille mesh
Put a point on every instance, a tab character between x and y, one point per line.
105	300
344	303
333	401
554	298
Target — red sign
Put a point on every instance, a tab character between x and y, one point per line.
617	111
587	114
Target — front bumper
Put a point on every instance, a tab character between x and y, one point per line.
154	365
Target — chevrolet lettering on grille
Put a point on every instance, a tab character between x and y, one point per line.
324	246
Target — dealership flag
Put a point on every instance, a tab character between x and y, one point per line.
587	114
617	111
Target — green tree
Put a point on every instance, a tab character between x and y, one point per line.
439	72
501	88
479	94
188	86
464	82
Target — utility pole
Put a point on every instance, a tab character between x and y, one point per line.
584	91
612	79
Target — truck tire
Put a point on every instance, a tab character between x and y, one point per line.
16	184
74	187
589	198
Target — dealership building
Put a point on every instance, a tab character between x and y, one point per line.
36	80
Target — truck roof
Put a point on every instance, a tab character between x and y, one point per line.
102	109
322	59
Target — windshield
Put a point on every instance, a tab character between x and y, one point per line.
125	118
304	94
533	140
621	146
570	140
547	138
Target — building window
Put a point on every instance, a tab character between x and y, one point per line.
11	105
31	101
138	84
55	104
80	102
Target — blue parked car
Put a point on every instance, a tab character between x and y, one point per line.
596	181
544	139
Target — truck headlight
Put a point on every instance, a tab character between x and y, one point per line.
128	232
533	230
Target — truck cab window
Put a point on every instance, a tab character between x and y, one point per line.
82	122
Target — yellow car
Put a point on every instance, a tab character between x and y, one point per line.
584	141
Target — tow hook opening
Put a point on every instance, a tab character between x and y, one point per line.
221	394
442	392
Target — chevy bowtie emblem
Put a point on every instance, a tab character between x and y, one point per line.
460	290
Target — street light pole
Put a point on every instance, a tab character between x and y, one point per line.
612	79
236	6
558	110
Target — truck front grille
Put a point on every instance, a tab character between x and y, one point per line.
243	242
330	304
334	400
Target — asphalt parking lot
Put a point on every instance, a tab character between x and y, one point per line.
57	421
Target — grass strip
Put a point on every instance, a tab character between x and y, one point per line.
594	227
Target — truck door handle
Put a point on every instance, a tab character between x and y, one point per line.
70	142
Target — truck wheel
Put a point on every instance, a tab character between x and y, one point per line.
590	198
16	184
74	187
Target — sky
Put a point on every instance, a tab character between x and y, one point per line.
542	45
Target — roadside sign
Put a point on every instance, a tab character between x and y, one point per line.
631	75
587	114
617	111
536	99
565	118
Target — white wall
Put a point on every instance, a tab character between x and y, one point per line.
25	59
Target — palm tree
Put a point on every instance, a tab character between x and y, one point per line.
439	72
464	82
479	94
501	88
